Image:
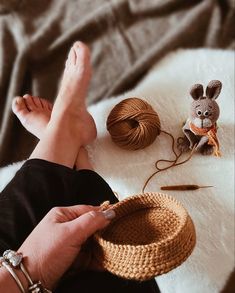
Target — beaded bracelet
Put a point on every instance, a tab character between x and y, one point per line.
13	260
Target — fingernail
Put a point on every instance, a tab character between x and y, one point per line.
109	214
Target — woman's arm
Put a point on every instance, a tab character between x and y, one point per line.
55	243
7	282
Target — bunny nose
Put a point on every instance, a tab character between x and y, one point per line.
202	117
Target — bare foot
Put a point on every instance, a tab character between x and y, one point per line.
70	101
34	113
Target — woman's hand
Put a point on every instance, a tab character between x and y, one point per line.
55	243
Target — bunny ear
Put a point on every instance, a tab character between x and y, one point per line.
196	91
213	89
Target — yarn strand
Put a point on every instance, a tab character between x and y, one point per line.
133	124
174	162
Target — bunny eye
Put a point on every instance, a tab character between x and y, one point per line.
206	113
199	112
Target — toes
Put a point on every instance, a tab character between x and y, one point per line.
46	105
29	101
37	101
82	52
78	53
19	108
71	57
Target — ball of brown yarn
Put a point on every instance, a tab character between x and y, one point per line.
133	124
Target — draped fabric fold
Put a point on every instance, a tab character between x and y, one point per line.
126	38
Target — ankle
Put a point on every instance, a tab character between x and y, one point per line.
66	114
67	123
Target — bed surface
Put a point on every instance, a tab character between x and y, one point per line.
166	88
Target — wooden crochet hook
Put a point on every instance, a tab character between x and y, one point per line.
184	187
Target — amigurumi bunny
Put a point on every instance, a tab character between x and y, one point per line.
201	128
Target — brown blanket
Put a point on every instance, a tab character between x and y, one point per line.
126	38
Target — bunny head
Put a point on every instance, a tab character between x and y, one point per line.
204	109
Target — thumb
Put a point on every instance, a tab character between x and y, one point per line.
90	222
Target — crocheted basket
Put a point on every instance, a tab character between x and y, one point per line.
151	234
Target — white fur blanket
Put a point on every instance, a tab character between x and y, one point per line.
166	88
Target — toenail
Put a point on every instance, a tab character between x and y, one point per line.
77	44
18	100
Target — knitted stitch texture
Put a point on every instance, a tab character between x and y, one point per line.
151	234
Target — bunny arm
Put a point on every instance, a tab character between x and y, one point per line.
204	139
193	138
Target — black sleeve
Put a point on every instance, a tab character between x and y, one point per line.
36	188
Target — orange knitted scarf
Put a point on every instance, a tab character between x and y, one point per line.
210	132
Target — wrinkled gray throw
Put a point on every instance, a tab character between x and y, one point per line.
126	38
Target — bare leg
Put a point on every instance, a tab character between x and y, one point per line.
71	126
34	114
82	161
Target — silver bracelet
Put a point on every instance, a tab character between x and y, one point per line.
4	263
14	259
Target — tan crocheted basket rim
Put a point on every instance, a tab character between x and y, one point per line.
151	235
